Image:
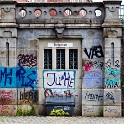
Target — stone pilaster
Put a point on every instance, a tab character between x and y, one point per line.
8	33
112	32
8	36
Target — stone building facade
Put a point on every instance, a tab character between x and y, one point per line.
74	52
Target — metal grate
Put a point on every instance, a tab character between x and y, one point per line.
73	59
60	59
47	58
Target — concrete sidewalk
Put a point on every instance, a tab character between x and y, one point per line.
59	120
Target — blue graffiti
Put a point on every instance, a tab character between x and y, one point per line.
18	77
65	77
93	79
113	71
7	77
26	77
112	83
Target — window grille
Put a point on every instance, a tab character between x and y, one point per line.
73	59
47	58
60	59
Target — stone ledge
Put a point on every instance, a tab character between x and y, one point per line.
8	25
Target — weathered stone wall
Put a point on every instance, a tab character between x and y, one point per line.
112	34
97	85
122	72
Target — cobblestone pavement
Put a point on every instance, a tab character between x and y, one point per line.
60	120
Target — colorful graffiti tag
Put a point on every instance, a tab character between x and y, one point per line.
7	77
93	67
25	77
112	73
112	83
59	79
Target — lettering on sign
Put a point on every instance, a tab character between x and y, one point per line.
60	44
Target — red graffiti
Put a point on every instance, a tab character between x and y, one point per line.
3	92
48	93
88	65
4	110
8	110
6	97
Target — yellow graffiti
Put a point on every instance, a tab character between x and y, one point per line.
59	112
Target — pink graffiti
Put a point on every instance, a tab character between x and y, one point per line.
6	97
88	66
4	110
7	110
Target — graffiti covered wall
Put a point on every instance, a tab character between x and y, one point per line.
93	74
95	82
